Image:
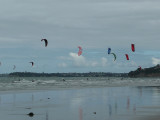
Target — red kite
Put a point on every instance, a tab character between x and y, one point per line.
127	57
133	47
80	50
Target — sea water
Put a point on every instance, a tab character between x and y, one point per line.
22	83
79	98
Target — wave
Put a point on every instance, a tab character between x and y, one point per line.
51	83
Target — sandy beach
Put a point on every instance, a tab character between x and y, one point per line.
102	103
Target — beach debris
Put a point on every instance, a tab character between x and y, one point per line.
80	50
31	114
46	42
32	63
94	112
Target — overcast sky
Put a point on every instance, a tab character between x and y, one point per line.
93	24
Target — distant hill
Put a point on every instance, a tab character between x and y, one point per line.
90	74
146	72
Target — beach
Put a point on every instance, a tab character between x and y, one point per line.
80	60
81	103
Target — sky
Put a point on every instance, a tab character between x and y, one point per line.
95	25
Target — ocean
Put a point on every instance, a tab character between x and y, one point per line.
79	98
33	83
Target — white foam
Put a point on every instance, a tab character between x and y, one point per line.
40	83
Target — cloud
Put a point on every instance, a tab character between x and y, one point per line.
62	65
78	60
155	61
127	64
93	24
76	21
63	58
94	64
104	61
81	61
149	52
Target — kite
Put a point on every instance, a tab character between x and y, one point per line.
140	68
80	50
46	42
133	47
32	63
14	67
114	56
127	57
79	53
109	50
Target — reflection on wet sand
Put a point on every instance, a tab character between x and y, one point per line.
120	103
80	114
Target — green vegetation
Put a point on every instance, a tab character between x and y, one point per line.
90	74
146	72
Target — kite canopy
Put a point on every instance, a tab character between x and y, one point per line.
140	68
46	42
133	47
79	53
14	67
32	63
114	56
109	50
80	50
127	57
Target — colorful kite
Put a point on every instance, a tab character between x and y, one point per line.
133	47
80	50
127	57
109	50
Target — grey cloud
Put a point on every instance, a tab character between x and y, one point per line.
90	23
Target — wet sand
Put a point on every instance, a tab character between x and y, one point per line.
103	103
